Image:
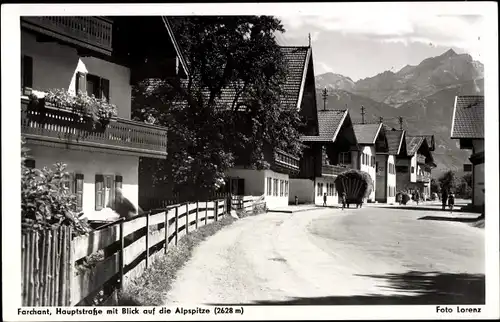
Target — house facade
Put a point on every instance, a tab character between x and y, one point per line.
468	128
413	172
396	140
374	159
95	56
327	154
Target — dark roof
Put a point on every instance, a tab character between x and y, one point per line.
330	122
468	118
296	60
430	141
413	143
394	140
366	133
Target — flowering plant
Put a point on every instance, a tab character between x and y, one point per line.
98	109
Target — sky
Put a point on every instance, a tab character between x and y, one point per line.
362	43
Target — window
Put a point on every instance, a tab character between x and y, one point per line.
320	189
74	183
286	188
282	188
105	189
275	187
345	157
412	169
92	85
373	162
26	72
269	186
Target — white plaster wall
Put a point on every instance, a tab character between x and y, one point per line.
478	185
413	163
273	201
254	180
355	162
303	189
391	179
89	164
330	200
56	65
370	151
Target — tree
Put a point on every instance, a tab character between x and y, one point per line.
449	181
210	130
435	187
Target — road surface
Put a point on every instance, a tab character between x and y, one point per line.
372	255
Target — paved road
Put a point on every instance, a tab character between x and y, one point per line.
372	255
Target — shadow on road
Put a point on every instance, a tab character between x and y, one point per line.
458	219
424	288
423	208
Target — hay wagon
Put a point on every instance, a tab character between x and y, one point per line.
356	184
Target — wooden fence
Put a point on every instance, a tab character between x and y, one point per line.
46	267
64	272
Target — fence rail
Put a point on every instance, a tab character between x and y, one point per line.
60	271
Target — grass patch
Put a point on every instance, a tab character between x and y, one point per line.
151	288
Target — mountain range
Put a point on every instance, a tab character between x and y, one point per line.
423	95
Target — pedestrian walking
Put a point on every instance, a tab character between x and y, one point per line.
324	199
451	201
444	198
417	196
344	200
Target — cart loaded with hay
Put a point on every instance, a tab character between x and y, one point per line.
356	184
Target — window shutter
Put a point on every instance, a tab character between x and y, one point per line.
105	89
79	191
99	191
27	71
81	82
118	185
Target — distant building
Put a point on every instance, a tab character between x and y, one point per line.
468	127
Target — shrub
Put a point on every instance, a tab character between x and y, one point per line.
46	200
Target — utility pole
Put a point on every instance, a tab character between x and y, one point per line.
362	114
400	119
325	97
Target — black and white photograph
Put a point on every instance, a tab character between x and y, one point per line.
250	161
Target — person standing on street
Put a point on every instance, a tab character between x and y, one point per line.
451	201
344	200
444	198
417	196
324	199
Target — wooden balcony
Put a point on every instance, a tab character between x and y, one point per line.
94	33
420	159
332	170
423	178
52	126
286	160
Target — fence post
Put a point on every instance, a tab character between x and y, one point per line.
70	267
147	239
216	209
166	230
122	246
176	225
197	214
187	218
206	212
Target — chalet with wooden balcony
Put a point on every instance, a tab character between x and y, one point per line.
468	128
413	171
398	169
326	155
373	153
76	90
